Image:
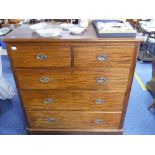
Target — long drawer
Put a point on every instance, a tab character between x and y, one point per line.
73	120
98	79
103	56
72	100
37	56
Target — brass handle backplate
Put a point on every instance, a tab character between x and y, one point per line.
51	120
48	100
101	79
98	121
102	57
44	79
42	57
99	101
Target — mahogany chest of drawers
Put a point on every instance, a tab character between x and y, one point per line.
73	84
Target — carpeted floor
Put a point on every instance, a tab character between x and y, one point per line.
138	119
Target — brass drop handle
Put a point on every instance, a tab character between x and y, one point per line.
48	100
44	79
101	79
99	101
102	57
51	120
98	121
42	57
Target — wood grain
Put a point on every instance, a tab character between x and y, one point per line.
117	56
72	100
73	120
130	80
26	56
74	80
72	70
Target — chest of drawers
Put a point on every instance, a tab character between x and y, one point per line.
74	84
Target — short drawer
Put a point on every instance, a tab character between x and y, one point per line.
99	79
73	120
106	56
40	56
72	100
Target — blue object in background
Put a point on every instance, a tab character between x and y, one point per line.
2	44
12	121
3	32
0	40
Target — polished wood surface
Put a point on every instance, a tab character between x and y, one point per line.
28	47
116	79
73	120
87	56
73	100
55	56
25	34
72	91
131	75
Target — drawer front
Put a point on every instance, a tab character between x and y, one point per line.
36	56
101	79
73	120
107	56
72	100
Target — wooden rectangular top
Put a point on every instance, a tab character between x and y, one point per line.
23	33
